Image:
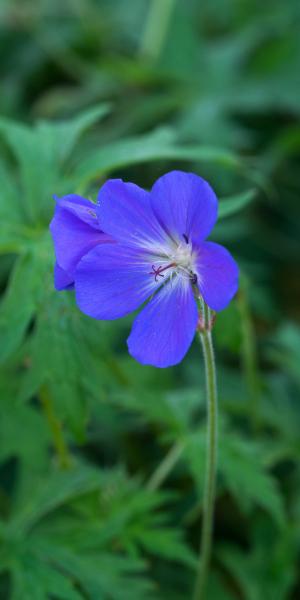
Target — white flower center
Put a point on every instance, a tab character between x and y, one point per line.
183	256
178	261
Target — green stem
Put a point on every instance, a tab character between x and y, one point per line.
249	355
55	427
211	462
165	467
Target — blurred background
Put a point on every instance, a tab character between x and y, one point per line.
101	458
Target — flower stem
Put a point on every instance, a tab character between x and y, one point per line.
55	427
211	461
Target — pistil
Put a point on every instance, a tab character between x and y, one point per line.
158	271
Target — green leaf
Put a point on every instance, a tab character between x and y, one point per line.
34	161
233	204
20	301
41	152
267	570
71	525
17	422
62	136
168	544
102	575
242	472
42	569
241	465
33	579
284	349
174	408
57	489
157	145
11	208
60	326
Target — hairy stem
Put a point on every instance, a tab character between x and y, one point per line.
211	461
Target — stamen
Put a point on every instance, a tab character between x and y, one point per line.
185	237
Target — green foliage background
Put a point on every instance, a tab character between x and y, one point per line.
102	459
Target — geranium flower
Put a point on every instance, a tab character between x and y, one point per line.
159	254
75	230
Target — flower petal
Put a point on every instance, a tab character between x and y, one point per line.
113	280
72	232
163	332
125	213
217	275
185	205
62	279
82	208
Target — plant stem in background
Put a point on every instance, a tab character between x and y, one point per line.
55	427
166	466
211	458
156	28
249	355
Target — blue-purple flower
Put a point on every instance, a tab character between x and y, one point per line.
75	230
154	251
